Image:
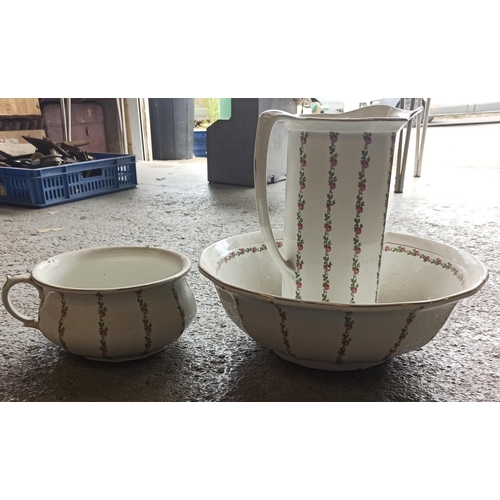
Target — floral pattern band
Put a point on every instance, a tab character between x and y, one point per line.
360	203
412	252
148	327
60	327
301	203
330	202
103	329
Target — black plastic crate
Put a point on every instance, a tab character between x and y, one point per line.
44	187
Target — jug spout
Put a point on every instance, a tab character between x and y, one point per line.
377	119
381	112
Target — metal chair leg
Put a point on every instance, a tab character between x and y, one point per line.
418	166
401	168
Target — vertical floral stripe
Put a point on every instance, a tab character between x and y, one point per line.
402	335
238	310
330	202
61	328
148	327
181	310
346	337
103	329
301	202
358	226
284	330
391	157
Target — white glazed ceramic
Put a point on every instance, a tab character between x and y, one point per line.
337	190
111	303
421	281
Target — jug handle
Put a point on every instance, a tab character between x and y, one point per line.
266	122
14	280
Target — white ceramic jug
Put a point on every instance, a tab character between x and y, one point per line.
337	190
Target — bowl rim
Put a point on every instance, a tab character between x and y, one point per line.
185	268
384	306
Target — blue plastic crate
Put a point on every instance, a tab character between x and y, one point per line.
44	187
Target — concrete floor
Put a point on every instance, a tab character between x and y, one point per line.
455	201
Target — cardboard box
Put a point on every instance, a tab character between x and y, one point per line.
13	144
12	107
16	136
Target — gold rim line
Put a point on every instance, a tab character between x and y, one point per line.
344	307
